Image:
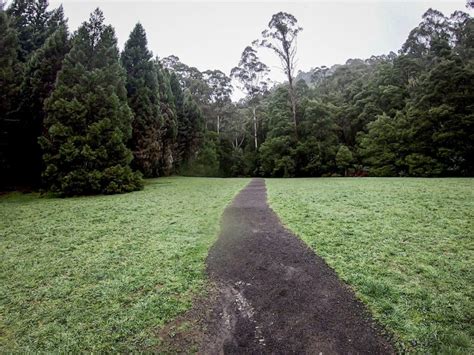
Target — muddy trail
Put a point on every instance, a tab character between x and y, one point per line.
272	294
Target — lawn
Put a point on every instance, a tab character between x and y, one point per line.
406	246
103	273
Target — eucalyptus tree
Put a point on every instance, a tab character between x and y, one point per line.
433	29
237	128
318	74
220	86
190	78
280	37
253	76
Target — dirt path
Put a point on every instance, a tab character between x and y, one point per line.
273	294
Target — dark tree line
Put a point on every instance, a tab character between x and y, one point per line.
78	117
33	43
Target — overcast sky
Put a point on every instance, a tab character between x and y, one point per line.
212	35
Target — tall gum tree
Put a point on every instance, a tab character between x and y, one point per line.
281	37
253	76
220	86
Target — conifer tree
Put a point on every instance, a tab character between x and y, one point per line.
34	24
169	129
10	72
38	83
9	65
88	120
144	100
177	91
178	96
192	127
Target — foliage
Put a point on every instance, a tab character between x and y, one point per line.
9	66
405	114
41	43
379	147
191	128
253	76
190	78
280	37
206	159
144	101
344	158
34	24
399	115
220	90
88	120
276	156
169	130
10	72
38	83
252	73
404	245
430	133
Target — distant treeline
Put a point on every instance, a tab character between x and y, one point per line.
405	114
79	117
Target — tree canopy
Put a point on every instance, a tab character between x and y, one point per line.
78	117
88	120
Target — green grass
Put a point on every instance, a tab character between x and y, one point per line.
104	273
405	245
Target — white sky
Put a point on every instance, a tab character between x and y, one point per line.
212	34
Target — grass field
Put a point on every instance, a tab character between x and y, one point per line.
103	273
405	245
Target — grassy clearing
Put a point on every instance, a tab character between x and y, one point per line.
102	273
405	245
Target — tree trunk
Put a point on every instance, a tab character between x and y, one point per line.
291	91
255	129
218	124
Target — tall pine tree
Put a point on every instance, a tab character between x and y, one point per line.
169	129
38	83
191	128
178	96
34	24
144	100
10	73
88	120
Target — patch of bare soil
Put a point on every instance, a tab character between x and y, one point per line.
271	294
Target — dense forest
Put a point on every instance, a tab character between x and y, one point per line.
77	116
